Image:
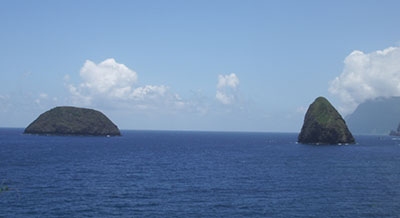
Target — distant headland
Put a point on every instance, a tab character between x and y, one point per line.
68	120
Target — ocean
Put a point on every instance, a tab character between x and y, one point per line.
196	174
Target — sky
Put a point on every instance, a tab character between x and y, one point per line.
196	65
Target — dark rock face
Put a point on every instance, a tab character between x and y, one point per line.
395	133
324	125
73	121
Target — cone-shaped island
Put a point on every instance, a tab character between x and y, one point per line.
73	121
324	125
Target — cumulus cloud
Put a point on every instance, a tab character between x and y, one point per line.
230	80
107	78
367	76
110	82
226	88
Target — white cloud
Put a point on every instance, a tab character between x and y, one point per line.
42	96
367	76
149	91
114	84
226	88
108	78
230	80
224	98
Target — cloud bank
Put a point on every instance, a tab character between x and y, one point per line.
367	76
115	88
226	88
112	83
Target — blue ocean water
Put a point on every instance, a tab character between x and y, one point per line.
196	174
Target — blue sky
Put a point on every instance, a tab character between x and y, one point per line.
196	65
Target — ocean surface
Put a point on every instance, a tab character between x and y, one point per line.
196	174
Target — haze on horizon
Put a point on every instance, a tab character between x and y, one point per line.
198	65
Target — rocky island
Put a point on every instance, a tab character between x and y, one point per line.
324	125
73	121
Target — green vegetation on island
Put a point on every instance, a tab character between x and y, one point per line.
324	125
73	121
